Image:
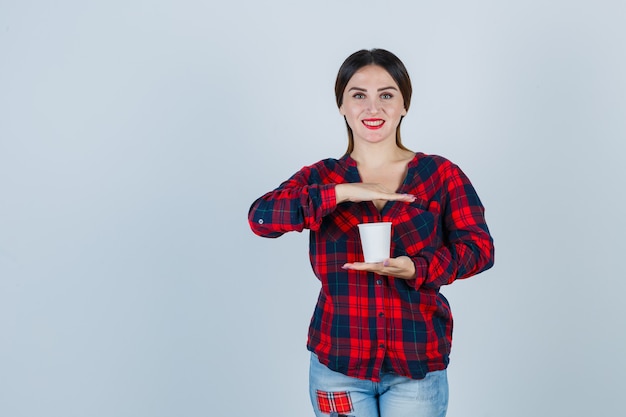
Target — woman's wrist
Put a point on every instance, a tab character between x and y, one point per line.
340	193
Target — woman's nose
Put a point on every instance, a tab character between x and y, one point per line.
373	105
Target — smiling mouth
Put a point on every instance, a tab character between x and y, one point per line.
373	123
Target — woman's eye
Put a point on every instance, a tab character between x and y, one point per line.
386	96
359	95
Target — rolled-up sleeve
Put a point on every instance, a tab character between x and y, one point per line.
466	247
295	205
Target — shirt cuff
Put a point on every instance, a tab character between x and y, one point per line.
421	271
329	198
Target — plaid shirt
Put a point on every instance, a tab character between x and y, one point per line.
366	323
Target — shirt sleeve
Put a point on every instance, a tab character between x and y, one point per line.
297	204
466	247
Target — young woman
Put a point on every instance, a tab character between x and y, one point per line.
381	333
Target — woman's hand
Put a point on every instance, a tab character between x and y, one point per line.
357	192
400	267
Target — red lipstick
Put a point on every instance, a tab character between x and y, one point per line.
373	124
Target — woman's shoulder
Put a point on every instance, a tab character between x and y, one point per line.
323	169
439	169
432	161
331	164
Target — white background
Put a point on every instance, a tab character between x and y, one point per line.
134	135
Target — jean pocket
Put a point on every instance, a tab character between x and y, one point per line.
334	402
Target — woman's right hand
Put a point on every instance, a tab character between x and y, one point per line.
357	192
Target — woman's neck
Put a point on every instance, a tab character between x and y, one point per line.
379	154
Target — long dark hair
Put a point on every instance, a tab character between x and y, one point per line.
384	59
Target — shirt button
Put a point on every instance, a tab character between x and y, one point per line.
260	221
381	314
382	346
379	282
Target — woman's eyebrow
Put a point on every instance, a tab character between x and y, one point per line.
391	87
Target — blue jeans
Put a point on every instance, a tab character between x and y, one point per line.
335	394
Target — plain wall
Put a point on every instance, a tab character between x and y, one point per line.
134	136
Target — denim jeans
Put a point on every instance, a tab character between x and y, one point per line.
334	394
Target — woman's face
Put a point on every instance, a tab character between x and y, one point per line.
372	105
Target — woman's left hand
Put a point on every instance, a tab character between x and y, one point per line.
400	267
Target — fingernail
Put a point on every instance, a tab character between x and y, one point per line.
386	263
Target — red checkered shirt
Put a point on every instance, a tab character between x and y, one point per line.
363	320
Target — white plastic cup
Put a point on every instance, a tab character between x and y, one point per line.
375	241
